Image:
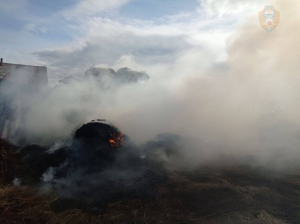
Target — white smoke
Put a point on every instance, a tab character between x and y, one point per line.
17	182
247	104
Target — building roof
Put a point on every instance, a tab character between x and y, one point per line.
18	71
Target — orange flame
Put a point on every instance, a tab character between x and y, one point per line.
116	140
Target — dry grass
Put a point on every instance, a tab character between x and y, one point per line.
236	194
186	198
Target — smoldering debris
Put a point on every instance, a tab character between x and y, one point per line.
101	165
98	164
221	117
37	160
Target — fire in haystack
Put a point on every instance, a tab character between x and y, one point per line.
116	140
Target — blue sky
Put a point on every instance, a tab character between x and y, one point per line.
72	35
25	12
145	9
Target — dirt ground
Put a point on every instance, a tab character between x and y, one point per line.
227	194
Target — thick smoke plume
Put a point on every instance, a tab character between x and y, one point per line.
245	105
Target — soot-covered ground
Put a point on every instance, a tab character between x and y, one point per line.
230	194
113	184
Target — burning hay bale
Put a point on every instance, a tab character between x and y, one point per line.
97	135
100	166
94	147
103	165
97	144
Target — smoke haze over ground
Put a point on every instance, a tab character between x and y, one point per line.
247	104
156	112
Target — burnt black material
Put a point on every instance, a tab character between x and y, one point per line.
92	171
37	161
91	143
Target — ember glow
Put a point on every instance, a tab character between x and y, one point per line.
116	140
